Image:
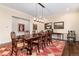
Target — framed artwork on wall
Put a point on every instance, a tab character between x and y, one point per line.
21	27
48	25
34	26
59	25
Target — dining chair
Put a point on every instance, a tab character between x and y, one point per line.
16	43
27	43
71	36
36	41
49	37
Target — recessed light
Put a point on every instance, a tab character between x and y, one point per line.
67	9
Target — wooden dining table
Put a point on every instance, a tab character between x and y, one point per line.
28	39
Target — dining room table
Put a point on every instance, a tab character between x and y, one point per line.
28	39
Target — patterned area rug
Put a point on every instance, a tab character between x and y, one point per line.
54	49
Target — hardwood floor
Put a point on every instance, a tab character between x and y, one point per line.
71	49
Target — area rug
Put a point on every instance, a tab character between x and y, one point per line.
54	49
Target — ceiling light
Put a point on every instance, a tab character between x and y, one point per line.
34	18
67	9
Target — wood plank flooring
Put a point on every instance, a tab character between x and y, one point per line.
71	49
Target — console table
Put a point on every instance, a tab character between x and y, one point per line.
58	35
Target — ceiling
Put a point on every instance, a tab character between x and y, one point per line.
49	10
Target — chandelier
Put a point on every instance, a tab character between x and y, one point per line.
36	17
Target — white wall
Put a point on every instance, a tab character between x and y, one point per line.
15	23
6	22
71	22
40	26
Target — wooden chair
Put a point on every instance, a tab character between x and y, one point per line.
43	40
28	46
46	38
28	43
49	37
36	41
71	35
16	44
34	33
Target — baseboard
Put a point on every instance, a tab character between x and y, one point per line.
59	39
1	45
63	39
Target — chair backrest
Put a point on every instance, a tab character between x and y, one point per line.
13	35
71	34
46	33
13	38
49	34
26	34
34	33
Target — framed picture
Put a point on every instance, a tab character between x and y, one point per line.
59	25
21	27
48	25
34	26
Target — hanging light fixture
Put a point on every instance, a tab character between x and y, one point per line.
36	17
41	5
42	9
42	13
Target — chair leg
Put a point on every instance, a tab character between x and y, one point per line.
38	48
42	46
16	53
27	52
11	52
46	42
30	52
50	41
